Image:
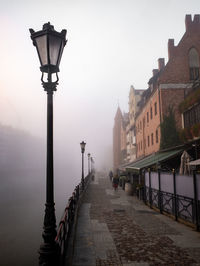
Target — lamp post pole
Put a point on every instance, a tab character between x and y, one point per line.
88	163
49	44
82	177
49	251
82	152
91	165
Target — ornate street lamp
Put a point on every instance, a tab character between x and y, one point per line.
88	163
92	162
82	151
49	44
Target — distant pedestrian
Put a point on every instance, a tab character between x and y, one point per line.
111	175
115	182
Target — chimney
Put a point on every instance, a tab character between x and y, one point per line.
188	21
196	19
192	24
154	71
161	63
170	47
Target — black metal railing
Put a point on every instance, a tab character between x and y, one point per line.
179	206
68	219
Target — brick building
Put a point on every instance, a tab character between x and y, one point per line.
169	86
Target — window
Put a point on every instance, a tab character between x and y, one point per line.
156	136
151	113
192	116
155	108
194	73
194	64
147	117
148	141
151	138
141	145
140	125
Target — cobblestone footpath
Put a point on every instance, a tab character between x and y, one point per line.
118	230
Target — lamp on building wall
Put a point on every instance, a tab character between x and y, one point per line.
49	44
82	151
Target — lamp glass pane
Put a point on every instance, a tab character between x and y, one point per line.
54	48
61	51
41	42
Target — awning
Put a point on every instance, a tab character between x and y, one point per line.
196	162
152	160
122	167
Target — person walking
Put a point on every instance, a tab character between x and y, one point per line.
111	175
115	182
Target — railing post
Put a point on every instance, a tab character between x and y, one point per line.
139	183
144	191
195	199
150	192
159	192
77	192
175	196
70	213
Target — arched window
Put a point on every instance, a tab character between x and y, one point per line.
194	64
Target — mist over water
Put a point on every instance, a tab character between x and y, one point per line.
23	194
21	209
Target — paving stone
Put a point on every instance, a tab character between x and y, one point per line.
119	230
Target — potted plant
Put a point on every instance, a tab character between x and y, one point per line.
196	130
122	181
182	135
188	133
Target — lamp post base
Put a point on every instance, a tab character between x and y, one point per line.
49	250
49	254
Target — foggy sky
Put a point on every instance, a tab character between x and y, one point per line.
111	45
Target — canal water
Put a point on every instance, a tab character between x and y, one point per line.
22	199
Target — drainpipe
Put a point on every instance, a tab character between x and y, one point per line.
159	91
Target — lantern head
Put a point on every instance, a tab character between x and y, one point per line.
49	44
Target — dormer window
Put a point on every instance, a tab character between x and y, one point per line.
194	64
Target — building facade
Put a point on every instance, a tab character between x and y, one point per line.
172	85
148	125
168	87
134	98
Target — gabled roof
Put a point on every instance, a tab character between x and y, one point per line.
118	113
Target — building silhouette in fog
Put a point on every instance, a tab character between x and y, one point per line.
124	140
119	138
134	98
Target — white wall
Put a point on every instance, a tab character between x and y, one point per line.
184	183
